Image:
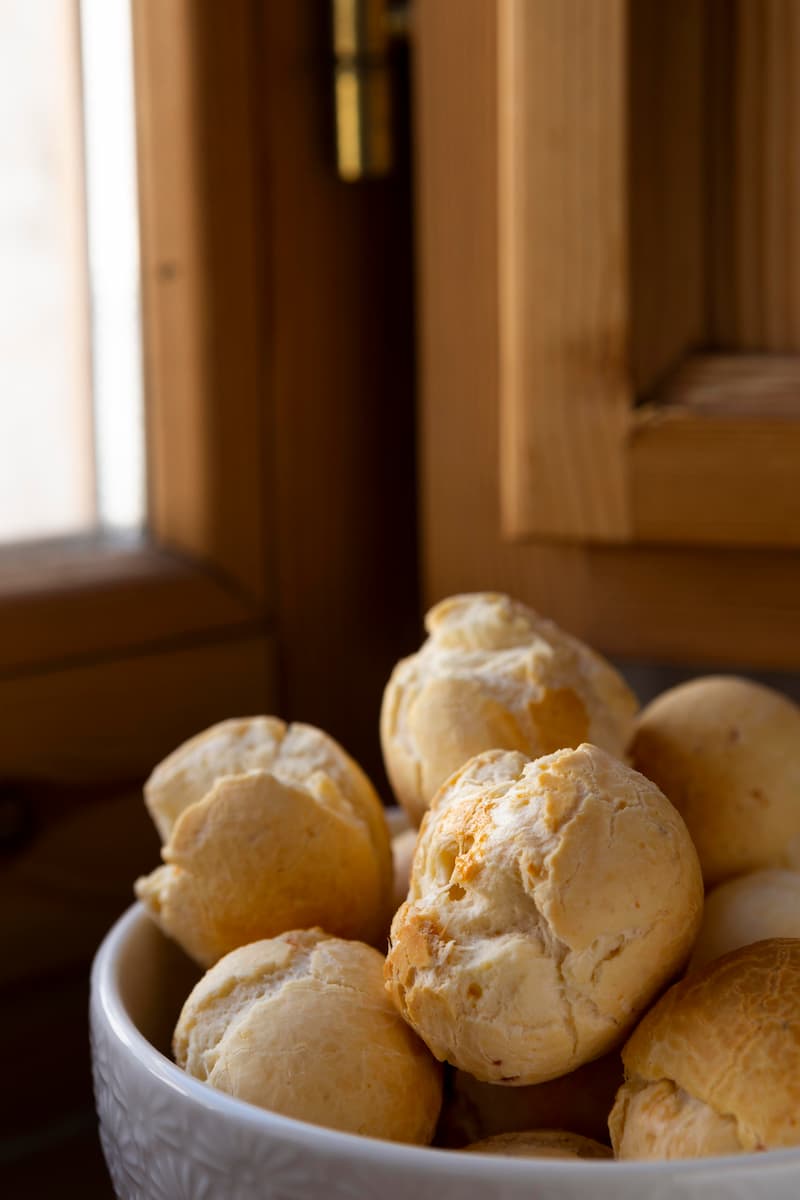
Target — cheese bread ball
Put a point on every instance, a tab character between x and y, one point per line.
726	752
292	752
714	1067
549	902
541	1143
276	849
494	674
764	904
301	1024
580	1101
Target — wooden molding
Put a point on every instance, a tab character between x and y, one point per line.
198	153
643	156
99	597
685	605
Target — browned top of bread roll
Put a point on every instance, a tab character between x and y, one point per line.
729	1035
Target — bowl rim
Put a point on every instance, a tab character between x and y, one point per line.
108	1005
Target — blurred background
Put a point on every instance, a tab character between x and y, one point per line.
314	313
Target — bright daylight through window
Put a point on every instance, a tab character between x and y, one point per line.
71	408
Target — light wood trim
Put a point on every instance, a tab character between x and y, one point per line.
563	269
705	607
203	368
95	722
598	232
755	120
104	596
717	457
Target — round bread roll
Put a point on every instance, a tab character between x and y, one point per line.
764	904
581	1101
300	1024
549	902
541	1143
291	752
726	752
714	1067
260	854
494	674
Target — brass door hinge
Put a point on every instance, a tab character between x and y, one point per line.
363	31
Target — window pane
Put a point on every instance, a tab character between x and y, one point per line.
70	362
113	260
46	460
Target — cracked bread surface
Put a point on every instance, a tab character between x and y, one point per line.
715	1065
493	673
301	1024
550	900
259	854
292	752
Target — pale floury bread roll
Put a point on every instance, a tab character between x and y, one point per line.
714	1067
726	752
549	902
301	1024
494	674
763	904
291	752
275	849
541	1143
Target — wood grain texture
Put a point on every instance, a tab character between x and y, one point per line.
715	458
339	342
94	723
198	155
755	183
105	596
564	381
667	151
680	605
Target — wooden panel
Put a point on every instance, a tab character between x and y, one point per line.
339	340
114	720
203	369
667	198
755	197
103	596
563	270
715	458
706	607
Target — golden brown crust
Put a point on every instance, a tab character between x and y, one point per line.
549	902
257	856
493	673
724	750
729	1037
541	1143
301	1025
660	1120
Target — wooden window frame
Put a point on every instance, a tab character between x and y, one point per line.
114	648
723	604
613	272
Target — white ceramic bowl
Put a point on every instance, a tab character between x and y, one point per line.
166	1136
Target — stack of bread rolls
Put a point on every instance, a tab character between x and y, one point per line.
549	937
